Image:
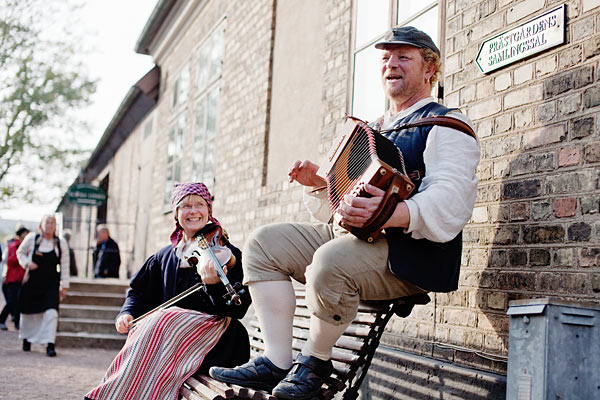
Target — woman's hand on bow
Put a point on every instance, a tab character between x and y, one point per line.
123	323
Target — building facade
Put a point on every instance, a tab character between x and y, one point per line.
247	87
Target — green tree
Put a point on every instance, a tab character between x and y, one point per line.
41	83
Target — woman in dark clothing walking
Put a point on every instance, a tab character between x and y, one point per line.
199	331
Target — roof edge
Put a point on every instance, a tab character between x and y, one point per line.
158	16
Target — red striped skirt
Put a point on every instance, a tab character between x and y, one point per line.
160	353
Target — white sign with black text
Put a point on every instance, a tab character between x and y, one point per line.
539	34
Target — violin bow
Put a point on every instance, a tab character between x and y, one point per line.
169	302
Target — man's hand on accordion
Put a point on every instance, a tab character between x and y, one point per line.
356	211
305	173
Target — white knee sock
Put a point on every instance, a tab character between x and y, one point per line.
322	337
274	303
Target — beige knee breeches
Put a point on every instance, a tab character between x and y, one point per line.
338	269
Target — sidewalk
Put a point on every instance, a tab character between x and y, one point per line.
34	376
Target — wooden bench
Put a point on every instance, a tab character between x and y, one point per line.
351	355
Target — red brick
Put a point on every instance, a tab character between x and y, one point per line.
564	207
569	156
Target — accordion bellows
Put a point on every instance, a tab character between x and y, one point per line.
359	156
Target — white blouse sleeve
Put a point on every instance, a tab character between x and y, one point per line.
446	197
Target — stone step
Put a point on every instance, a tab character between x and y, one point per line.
107	285
86	325
94	298
88	311
90	340
87	315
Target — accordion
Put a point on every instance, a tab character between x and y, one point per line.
360	156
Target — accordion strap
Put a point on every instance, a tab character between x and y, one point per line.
396	192
441	120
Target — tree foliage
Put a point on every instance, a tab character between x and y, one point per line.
41	83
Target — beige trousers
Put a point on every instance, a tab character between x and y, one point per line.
338	269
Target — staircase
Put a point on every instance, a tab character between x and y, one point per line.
87	315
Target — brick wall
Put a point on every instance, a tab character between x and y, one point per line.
535	227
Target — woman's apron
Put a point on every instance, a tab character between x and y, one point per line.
40	292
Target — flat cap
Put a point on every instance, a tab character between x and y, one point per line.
407	35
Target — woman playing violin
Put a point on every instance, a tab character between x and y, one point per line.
198	331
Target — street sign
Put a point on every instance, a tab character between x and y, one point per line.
84	194
534	36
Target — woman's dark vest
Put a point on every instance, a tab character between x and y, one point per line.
430	265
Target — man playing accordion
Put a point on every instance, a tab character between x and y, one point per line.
419	250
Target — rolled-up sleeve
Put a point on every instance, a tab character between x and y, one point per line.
25	250
317	204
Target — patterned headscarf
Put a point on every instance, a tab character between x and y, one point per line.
182	190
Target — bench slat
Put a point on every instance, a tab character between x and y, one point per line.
187	394
227	391
200	391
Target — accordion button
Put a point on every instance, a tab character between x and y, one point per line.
337	317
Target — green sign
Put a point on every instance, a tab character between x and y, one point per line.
84	194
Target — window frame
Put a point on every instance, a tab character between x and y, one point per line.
176	140
203	94
356	49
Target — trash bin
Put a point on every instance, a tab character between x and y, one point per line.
553	350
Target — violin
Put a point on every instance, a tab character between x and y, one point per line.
210	243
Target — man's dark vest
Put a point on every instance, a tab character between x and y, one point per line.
430	265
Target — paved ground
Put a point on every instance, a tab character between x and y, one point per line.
34	376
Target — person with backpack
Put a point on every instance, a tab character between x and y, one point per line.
45	257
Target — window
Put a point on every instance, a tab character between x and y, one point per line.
372	21
205	134
179	101
210	57
174	157
181	88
